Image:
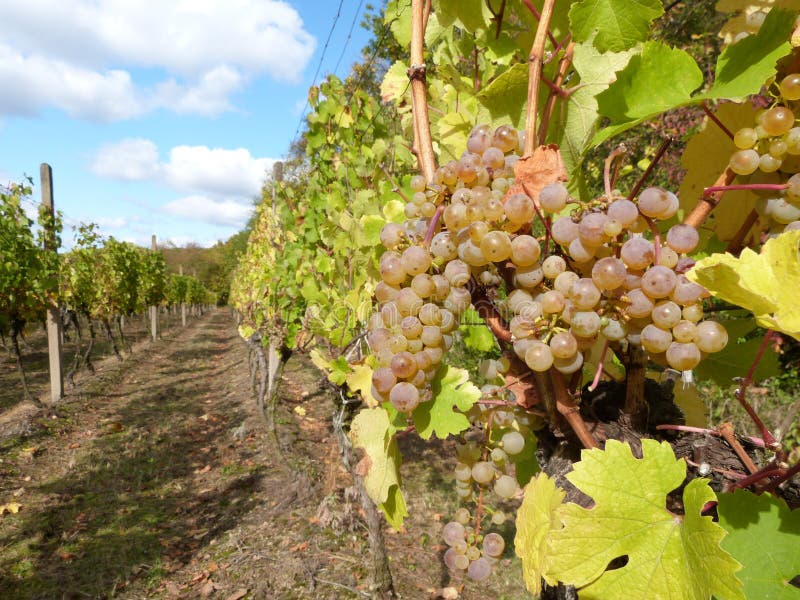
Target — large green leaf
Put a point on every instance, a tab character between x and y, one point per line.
658	79
764	535
615	25
742	68
504	99
668	555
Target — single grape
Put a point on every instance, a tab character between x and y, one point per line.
655	340
461	562
637	253
539	357
493	544
768	163
666	314
744	162
790	87
499	457
442	246
658	282
591	230
609	273
614	331
383	379
683	357
563	345
564	230
528	277
463	472
404	397
418	183
462	516
682	238
640	305
525	250
505	138
693	313
415	260
653	201
684	331
585	323
513	442
519	209
498	517
449	558
584	293
745	138
711	336
563	282
480	138
568	366
579	252
552	302
483	472
623	211
505	486
479	570
553	198
453	532
778	120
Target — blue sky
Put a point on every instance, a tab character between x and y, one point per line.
161	116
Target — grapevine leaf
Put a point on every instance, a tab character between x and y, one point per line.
380	467
536	518
504	99
372	225
668	556
743	67
393	211
473	14
687	398
764	535
451	388
658	79
618	24
476	337
706	155
395	83
398	17
360	381
766	284
453	129
578	121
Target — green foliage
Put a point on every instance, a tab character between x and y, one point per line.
763	535
451	390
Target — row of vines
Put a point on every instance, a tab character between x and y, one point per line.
467	205
99	282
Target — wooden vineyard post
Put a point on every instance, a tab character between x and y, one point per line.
154	308
53	316
183	301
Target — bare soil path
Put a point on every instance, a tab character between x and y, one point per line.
154	479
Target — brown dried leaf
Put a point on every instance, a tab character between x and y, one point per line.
237	595
532	173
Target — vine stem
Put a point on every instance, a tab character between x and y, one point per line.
423	144
662	150
689	429
737	241
538	15
556	92
726	431
395	188
607	182
656	239
716	120
775	187
434	223
569	410
545	221
741	393
599	370
707	203
535	73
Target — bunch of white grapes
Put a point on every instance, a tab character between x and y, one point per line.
470	551
772	146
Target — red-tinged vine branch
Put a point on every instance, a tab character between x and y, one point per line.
555	94
568	409
710	114
423	144
689	429
539	17
741	393
774	187
535	73
662	150
611	161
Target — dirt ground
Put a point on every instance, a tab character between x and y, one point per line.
154	479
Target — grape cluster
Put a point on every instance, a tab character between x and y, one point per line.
772	146
614	285
424	290
469	550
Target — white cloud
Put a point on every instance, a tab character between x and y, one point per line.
80	56
216	171
133	159
214	212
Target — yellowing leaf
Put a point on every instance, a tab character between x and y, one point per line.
395	83
360	381
451	388
706	156
668	555
10	507
380	467
536	518
765	284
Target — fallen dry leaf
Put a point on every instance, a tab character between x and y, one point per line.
11	507
237	595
